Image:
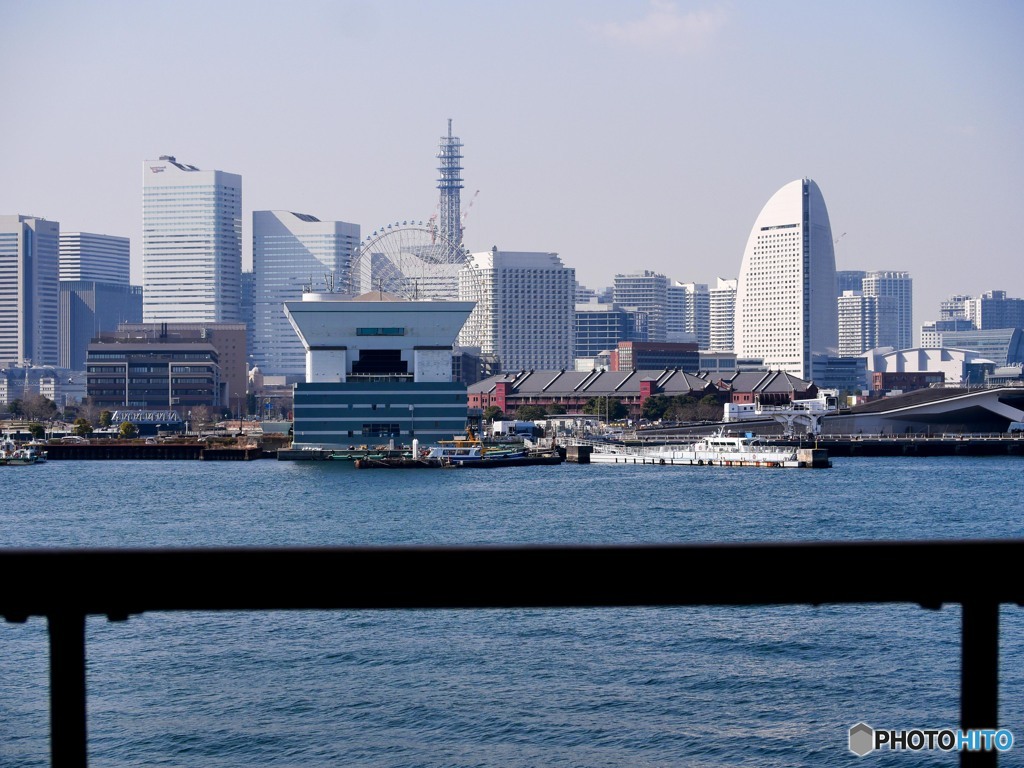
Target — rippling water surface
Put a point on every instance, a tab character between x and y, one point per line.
602	687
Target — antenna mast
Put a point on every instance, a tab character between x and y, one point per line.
450	183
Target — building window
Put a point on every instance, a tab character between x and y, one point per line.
380	331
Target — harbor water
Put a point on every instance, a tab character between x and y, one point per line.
719	686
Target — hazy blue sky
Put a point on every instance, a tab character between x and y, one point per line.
622	135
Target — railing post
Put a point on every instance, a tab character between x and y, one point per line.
67	690
979	676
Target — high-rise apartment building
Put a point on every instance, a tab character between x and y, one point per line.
954	308
191	243
524	308
993	309
786	290
29	288
900	288
722	311
92	257
645	292
865	322
290	251
688	315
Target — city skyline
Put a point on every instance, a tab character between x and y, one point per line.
635	135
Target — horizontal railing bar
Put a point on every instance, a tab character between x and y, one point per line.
120	582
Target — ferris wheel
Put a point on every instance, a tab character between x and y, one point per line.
408	259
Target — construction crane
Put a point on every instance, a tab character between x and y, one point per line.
465	213
836	241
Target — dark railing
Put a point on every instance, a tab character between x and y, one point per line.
67	585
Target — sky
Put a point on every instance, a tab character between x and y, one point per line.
620	134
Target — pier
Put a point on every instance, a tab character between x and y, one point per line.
116	449
912	445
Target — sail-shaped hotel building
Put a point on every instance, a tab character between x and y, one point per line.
786	313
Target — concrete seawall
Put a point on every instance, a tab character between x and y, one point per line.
147	451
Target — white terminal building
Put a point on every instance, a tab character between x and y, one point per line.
786	291
378	369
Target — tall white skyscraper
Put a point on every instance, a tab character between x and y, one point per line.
289	251
786	291
722	309
29	287
99	258
191	243
900	288
525	311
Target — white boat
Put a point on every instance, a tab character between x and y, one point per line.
37	449
718	450
15	456
458	451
